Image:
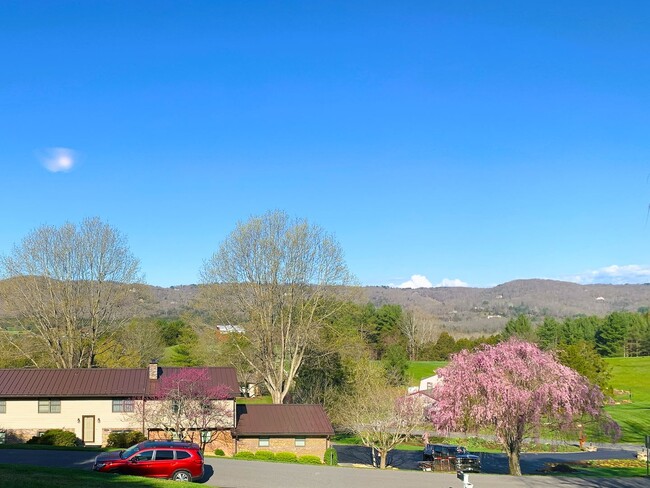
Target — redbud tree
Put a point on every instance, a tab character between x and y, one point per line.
188	407
513	389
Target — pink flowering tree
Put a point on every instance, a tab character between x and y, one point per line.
512	388
187	407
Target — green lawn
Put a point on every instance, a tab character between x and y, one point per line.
19	476
632	412
604	468
255	400
422	369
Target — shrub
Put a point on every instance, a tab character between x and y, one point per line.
331	457
286	457
124	439
265	455
56	437
309	459
219	452
244	455
134	437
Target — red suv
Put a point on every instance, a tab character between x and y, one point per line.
179	461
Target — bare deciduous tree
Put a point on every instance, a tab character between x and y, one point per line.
280	275
418	329
68	288
132	346
382	416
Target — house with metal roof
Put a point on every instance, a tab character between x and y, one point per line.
301	429
92	403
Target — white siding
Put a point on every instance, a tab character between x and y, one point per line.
23	414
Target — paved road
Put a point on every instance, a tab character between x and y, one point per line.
490	463
230	473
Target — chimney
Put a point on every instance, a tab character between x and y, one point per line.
153	369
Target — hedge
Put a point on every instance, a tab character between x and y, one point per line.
309	459
56	437
286	457
265	455
244	455
124	439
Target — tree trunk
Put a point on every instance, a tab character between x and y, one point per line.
513	463
276	396
383	454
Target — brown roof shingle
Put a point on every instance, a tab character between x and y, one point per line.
282	420
94	383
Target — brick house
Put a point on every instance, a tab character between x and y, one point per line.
301	429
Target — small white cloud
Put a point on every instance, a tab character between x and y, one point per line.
615	275
416	281
452	283
421	281
58	159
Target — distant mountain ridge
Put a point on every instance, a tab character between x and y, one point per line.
468	310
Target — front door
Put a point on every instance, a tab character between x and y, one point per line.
88	429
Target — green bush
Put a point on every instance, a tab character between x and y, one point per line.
244	455
309	459
286	457
56	437
219	452
331	457
124	439
265	455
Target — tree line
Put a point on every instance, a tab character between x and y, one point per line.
73	296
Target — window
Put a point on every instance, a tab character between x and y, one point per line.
49	406
206	436
3	406
3	437
263	442
143	456
300	442
122	405
164	455
176	406
182	454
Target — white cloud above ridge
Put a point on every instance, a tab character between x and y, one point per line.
58	159
421	281
614	275
455	283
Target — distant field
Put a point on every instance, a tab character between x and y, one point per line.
422	369
633	412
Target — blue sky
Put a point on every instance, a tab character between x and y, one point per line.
454	142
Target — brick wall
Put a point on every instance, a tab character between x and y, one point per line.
314	446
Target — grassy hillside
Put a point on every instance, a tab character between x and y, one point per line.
632	411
